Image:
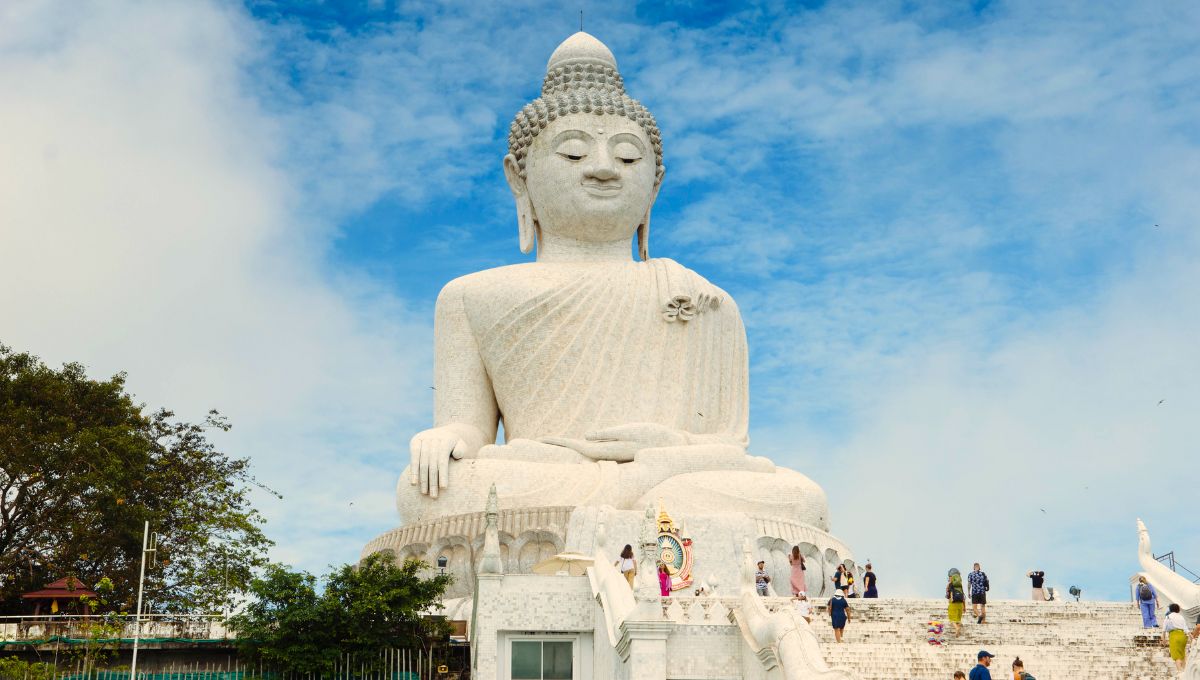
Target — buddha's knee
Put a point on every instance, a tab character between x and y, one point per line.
783	494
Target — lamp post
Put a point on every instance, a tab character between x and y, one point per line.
442	562
149	545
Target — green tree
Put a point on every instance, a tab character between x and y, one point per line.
13	668
82	466
362	610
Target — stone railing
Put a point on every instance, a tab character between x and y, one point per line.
173	627
471	526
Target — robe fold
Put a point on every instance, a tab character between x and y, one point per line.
572	348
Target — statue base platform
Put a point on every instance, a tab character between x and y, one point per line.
530	535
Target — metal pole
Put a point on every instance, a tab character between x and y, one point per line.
137	619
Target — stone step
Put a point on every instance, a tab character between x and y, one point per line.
888	639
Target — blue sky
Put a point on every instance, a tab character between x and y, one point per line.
963	237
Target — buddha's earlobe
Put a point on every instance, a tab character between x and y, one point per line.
526	220
643	230
526	224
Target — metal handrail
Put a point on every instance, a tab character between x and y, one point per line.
1168	558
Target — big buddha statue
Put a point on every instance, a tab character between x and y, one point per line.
620	382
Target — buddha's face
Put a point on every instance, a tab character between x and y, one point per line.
591	177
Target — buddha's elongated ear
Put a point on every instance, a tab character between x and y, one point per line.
526	220
643	230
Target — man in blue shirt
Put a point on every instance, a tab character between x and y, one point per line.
977	584
981	671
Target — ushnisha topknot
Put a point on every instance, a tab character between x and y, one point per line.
581	76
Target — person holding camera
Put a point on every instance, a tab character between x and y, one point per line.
1037	578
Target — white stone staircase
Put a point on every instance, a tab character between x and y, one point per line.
887	639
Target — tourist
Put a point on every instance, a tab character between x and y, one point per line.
1175	634
1038	578
839	613
664	580
959	675
803	606
627	564
839	578
977	582
954	593
869	583
798	569
980	671
1019	670
761	578
849	588
1147	599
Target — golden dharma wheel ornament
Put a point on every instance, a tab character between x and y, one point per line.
674	550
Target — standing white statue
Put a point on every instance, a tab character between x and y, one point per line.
618	381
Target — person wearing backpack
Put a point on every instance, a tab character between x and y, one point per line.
957	601
977	581
1147	599
1019	673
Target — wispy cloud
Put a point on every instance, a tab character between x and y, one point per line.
939	224
149	227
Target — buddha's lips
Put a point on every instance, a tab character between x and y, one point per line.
602	188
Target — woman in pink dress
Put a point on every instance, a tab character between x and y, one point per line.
798	568
664	580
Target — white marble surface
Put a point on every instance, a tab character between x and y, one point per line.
618	381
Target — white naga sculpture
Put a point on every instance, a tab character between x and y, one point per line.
789	638
1171	587
618	382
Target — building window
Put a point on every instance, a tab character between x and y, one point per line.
542	659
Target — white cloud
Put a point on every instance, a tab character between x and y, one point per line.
146	226
1008	456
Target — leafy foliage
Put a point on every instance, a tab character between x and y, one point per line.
82	467
13	668
362	610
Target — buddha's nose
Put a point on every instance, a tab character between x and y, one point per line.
604	167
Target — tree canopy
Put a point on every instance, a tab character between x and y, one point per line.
82	466
376	605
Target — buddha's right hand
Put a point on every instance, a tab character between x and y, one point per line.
431	451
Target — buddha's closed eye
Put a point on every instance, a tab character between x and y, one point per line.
627	153
573	150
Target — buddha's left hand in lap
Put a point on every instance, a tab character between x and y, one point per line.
621	442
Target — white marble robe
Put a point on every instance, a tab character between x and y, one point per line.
570	348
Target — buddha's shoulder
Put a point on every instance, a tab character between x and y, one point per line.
499	282
699	283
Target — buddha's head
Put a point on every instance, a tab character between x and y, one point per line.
585	160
